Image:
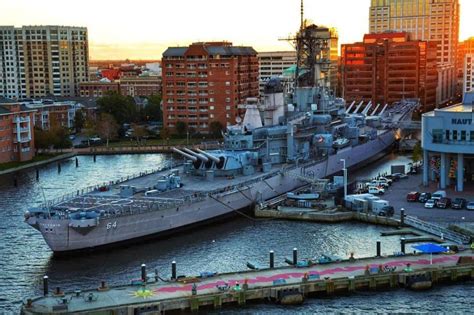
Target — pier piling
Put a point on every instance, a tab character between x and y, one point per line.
77	162
272	259
15	181
59	168
402	245
295	256
45	285
94	158
378	249
143	272
173	270
37	175
402	217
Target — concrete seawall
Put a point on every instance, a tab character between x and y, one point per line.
39	163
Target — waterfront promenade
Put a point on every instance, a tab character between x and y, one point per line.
173	295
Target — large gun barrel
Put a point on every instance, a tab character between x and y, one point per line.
210	156
199	156
186	155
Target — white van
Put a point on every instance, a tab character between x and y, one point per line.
438	195
376	190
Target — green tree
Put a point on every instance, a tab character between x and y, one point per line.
152	110
181	128
139	132
122	108
107	127
79	120
417	152
165	133
90	129
215	128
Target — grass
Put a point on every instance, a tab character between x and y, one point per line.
37	158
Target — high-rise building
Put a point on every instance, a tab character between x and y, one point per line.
464	48
388	67
468	84
206	82
427	20
40	61
272	64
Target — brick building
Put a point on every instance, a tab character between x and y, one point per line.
98	88
388	67
48	111
16	132
464	48
140	86
206	82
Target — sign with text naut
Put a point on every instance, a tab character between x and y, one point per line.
461	121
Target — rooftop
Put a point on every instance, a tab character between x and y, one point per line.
213	50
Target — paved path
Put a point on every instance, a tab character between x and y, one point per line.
263	278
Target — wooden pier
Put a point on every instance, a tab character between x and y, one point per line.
285	285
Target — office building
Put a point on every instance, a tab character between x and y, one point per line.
464	48
143	85
468	82
206	82
98	88
448	145
273	64
16	132
40	61
427	20
386	68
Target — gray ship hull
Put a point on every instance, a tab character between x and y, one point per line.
62	236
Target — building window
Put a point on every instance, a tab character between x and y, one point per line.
455	135
463	135
472	136
438	135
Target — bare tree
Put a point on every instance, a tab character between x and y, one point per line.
107	127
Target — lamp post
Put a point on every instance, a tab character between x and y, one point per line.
345	177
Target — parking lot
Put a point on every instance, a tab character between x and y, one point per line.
397	193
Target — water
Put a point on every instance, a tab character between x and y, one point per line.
25	257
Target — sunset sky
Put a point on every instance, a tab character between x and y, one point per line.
142	29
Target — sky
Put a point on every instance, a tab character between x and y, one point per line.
143	29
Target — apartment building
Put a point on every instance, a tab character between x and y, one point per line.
16	132
49	112
98	88
464	48
40	61
206	82
388	67
426	20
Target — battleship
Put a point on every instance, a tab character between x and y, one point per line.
288	136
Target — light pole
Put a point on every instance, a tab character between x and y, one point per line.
344	169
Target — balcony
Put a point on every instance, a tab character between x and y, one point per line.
22	130
22	140
22	119
24	150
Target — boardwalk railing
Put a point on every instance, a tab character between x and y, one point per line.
437	230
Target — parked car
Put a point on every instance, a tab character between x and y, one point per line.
413	196
470	205
439	194
378	183
430	204
443	203
385	179
387	211
424	197
458	203
400	175
376	190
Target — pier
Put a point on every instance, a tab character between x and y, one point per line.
286	285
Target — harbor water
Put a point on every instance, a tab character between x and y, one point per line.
25	258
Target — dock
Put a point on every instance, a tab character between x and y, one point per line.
289	284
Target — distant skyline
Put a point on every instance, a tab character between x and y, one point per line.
143	29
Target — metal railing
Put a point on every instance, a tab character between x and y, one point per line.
437	230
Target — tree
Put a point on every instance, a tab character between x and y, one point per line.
152	110
139	132
107	127
418	153
122	108
90	129
165	133
215	128
79	120
181	128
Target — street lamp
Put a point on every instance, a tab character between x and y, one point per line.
345	177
